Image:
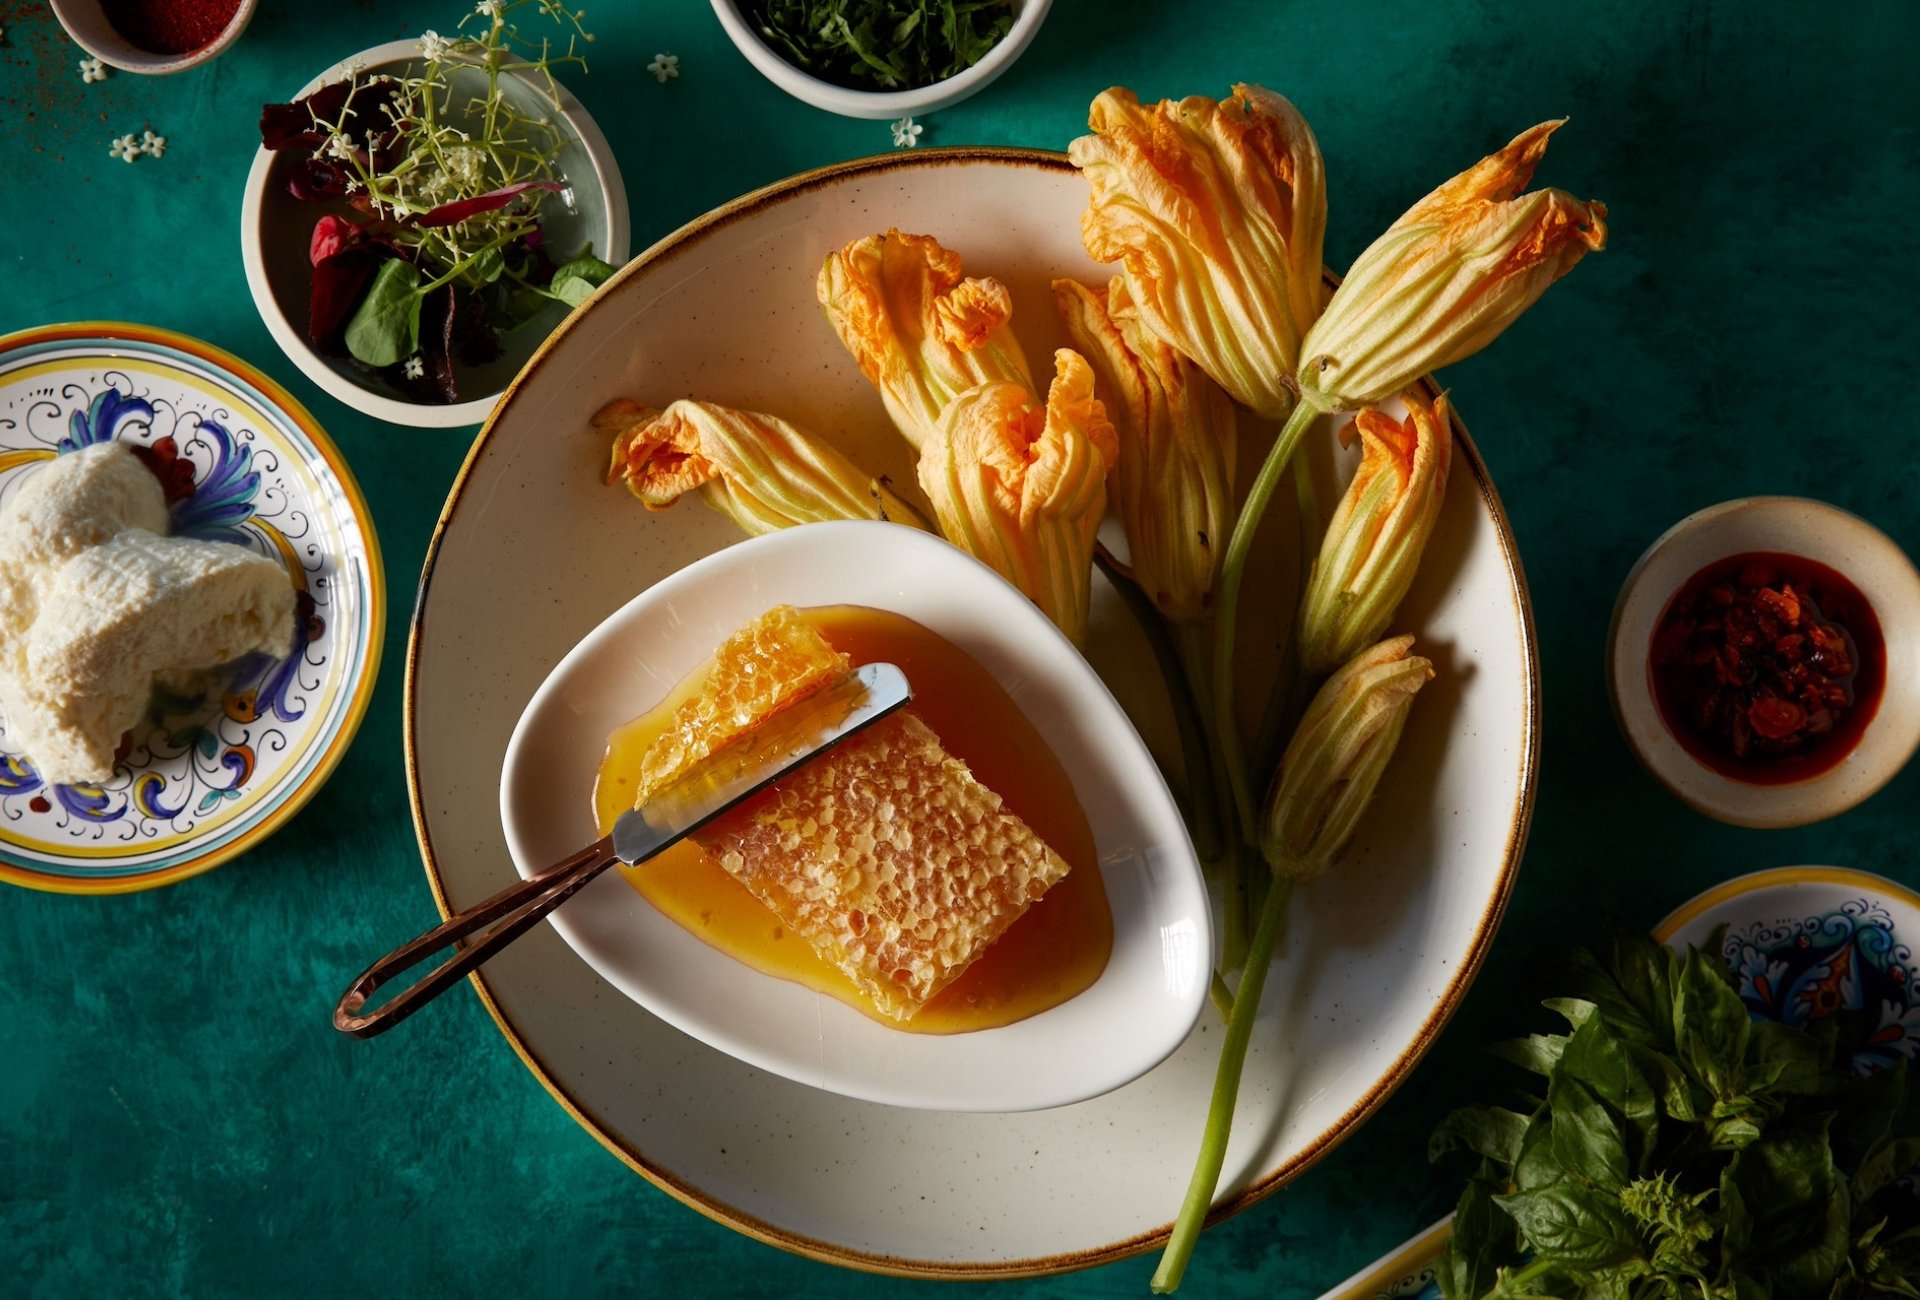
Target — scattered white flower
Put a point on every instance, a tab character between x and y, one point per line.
416	368
153	145
337	147
906	133
490	8
125	148
92	70
433	46
664	67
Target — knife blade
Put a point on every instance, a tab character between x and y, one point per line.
793	736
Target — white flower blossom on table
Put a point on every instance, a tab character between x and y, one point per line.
906	133
125	148
92	70
433	46
664	67
416	368
153	145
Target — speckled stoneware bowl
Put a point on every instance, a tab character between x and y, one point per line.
1802	942
1793	526
1377	955
197	788
275	230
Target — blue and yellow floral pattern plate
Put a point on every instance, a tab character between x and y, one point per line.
1803	942
241	462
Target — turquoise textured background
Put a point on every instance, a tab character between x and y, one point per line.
179	1118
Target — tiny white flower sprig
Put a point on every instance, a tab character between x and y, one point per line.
416	368
906	133
665	67
128	148
92	70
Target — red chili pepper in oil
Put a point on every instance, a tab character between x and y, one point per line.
1768	667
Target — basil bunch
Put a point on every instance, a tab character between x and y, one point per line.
1683	1149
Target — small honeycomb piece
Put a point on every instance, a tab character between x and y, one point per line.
777	659
890	859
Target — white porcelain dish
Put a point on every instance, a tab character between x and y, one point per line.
275	230
533	551
1794	526
1139	1010
873	104
87	23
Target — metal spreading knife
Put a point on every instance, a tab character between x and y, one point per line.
793	736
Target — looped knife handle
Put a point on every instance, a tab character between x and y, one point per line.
493	925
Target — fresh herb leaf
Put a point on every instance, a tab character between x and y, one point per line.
574	282
1488	1131
386	329
1573	1225
881	44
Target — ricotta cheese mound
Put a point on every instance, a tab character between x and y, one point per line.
96	601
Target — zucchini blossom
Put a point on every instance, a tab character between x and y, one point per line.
758	470
1447	278
1333	764
1021	486
921	333
1215	211
1173	482
1372	547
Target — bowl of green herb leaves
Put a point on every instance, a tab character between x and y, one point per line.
881	58
419	218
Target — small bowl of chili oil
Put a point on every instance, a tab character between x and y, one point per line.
1764	660
154	36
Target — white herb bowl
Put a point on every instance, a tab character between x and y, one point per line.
275	229
87	23
873	104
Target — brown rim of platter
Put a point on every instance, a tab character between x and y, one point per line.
685	237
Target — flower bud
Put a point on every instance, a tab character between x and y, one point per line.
1172	483
1022	488
1372	547
1447	278
758	470
1215	212
1333	764
921	333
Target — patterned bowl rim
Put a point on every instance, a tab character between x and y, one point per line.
270	394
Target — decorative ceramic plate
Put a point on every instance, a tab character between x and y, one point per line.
1803	942
533	551
243	463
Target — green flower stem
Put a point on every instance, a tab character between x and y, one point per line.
1228	856
1226	1092
1227	621
1520	1281
1202	790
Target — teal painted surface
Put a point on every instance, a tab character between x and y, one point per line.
180	1119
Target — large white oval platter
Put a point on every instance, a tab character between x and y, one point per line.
533	552
1139	1010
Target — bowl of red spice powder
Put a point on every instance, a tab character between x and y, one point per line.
1764	660
154	36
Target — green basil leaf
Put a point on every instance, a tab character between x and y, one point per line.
1710	1024
1490	1131
576	280
1587	1138
1481	1242
1797	1208
385	330
487	267
1603	1062
1629	978
1538	1053
1537	1165
1573	1225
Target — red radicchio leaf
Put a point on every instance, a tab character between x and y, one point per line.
339	283
306	123
331	235
162	458
448	214
316	178
437	316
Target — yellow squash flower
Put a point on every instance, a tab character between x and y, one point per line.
760	471
1333	764
1173	481
1216	211
922	333
1447	278
1372	547
1022	487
